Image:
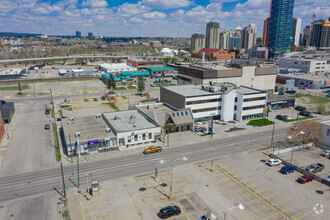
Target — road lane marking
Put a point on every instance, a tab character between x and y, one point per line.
7	97
68	92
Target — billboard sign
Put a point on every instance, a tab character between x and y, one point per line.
93	142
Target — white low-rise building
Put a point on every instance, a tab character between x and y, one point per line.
218	101
305	65
324	140
116	67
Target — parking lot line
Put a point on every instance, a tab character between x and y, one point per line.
270	216
68	92
90	92
96	197
257	210
263	190
307	213
291	208
82	211
96	91
107	218
326	195
282	201
235	190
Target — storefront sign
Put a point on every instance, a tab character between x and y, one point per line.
93	142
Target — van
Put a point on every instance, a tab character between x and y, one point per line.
287	169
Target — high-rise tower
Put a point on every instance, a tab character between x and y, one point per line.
249	37
265	32
212	34
295	30
197	41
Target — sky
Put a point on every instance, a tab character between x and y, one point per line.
144	18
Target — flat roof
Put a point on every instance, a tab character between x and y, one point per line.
275	98
158	68
121	121
326	122
90	128
196	90
308	76
142	60
10	72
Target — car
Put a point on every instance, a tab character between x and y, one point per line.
95	99
273	162
111	93
325	153
300	108
152	149
291	92
103	98
327	178
153	99
280	93
221	122
282	117
305	179
47	126
152	84
47	111
169	211
167	81
327	96
314	168
200	129
288	169
305	113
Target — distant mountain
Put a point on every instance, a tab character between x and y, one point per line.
19	35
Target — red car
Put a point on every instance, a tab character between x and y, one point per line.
305	179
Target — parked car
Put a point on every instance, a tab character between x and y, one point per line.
273	162
287	169
327	96
305	179
327	178
152	84
169	211
111	93
314	168
47	111
291	92
300	108
167	81
280	93
153	149
47	126
221	122
325	153
153	99
305	113
103	98
95	99
200	129
282	117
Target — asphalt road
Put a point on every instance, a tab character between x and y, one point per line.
45	181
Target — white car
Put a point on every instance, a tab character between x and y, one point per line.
327	178
326	153
273	162
221	122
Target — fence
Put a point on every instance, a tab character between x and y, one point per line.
293	148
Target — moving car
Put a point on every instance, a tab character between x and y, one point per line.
47	126
300	108
169	211
282	117
327	178
153	149
152	84
291	92
305	113
273	162
287	169
103	98
47	111
305	179
111	93
95	99
325	153
314	168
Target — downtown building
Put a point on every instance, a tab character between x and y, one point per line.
295	31
197	41
216	101
249	37
212	34
320	36
280	26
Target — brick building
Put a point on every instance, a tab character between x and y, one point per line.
213	54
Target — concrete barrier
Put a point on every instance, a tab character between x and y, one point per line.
301	170
289	149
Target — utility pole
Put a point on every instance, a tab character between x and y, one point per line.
71	148
64	189
168	137
51	98
271	143
78	162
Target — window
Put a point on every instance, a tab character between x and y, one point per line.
253	107
255	99
135	137
203	101
235	107
173	114
129	139
206	109
143	136
150	135
235	99
328	132
178	113
186	113
317	67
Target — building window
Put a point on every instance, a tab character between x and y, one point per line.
328	132
206	109
135	137
178	113
173	114
150	135
186	113
255	99
235	107
236	99
143	136
253	107
203	101
129	139
182	113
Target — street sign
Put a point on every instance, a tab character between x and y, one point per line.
65	189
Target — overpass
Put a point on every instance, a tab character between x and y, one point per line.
45	59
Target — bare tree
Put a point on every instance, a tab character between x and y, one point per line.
311	130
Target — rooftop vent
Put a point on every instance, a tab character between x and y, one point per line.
98	116
77	134
116	118
107	130
72	119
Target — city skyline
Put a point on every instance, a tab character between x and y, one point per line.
173	18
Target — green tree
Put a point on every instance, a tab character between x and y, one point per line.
321	109
140	84
281	89
111	82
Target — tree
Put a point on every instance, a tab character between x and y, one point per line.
111	82
311	129
140	84
281	89
321	109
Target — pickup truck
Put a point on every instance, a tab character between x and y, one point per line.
153	149
314	168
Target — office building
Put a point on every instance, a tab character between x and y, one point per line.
304	41
305	65
280	25
320	36
217	101
212	34
225	37
90	36
235	42
258	51
295	30
265	32
116	67
262	77
249	37
197	41
142	63
78	34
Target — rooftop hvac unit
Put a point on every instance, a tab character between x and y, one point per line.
72	119
98	116
107	130
77	134
134	125
116	118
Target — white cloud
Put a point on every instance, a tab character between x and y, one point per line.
135	19
167	4
95	3
154	15
127	9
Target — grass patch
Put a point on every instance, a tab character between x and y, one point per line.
24	86
165	84
61	113
113	106
21	94
124	97
298	119
86	100
65	214
131	87
68	108
52	112
120	88
207	134
57	147
314	99
260	122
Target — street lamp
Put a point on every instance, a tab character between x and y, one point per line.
212	152
272	141
294	142
161	161
238	205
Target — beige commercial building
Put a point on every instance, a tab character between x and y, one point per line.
197	41
262	78
212	34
